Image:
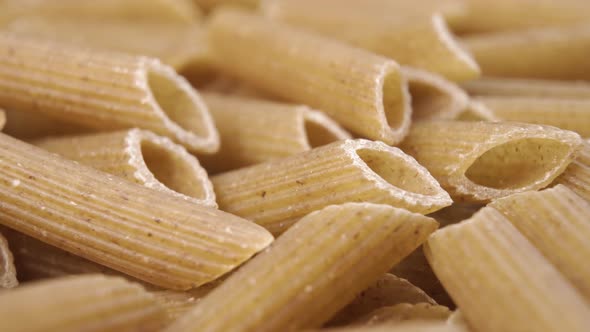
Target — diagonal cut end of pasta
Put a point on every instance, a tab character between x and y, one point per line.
7	268
476	111
393	105
577	175
318	129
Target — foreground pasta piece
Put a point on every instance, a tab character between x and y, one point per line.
147	234
80	303
341	250
515	87
577	175
7	269
363	92
418	326
405	312
254	131
141	157
480	161
277	193
103	90
500	281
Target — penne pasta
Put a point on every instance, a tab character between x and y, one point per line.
104	91
365	93
577	175
277	193
80	303
25	126
515	87
481	161
289	292
145	233
457	320
455	213
141	157
500	281
405	312
177	303
476	111
7	269
417	326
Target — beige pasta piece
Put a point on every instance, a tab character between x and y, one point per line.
480	161
105	91
519	87
145	233
177	303
455	213
7	269
311	271
500	281
374	26
27	126
141	157
457	320
551	53
476	111
405	312
577	175
80	303
414	326
275	194
364	92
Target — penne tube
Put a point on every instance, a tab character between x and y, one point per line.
275	194
177	303
481	161
150	235
405	312
364	92
500	281
80	303
7	269
104	91
290	292
141	157
254	131
414	326
555	222
27	126
577	175
550	53
375	26
515	87
476	111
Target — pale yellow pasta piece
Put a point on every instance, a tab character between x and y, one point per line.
311	271
476	111
275	194
80	303
500	281
577	175
519	87
376	27
177	303
141	157
364	92
103	90
145	233
405	312
480	161
7	269
417	326
552	53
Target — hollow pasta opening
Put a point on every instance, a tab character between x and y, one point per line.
317	134
392	101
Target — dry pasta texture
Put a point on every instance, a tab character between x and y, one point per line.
519	87
577	175
405	312
7	269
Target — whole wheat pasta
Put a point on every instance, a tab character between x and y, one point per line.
145	233
7	269
455	213
480	161
500	281
577	175
364	92
380	29
552	53
476	111
80	303
275	194
254	130
141	157
405	312
519	87
103	90
414	326
340	250
25	126
177	303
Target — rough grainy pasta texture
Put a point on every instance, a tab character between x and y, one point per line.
364	92
80	303
145	233
577	175
517	288
7	269
519	87
298	282
405	312
417	326
254	130
277	193
141	157
480	161
104	91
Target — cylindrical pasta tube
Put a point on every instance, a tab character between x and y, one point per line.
476	111
577	175
145	233
141	157
500	281
254	131
341	250
515	87
103	90
277	193
375	27
7	269
553	53
80	303
364	92
480	161
417	326
405	312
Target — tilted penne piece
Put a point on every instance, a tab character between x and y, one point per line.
554	53
7	269
145	233
380	29
177	303
500	281
364	92
418	326
405	312
577	175
519	87
103	90
476	111
340	250
80	303
275	194
141	157
480	161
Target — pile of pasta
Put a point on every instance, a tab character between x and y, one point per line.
295	165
